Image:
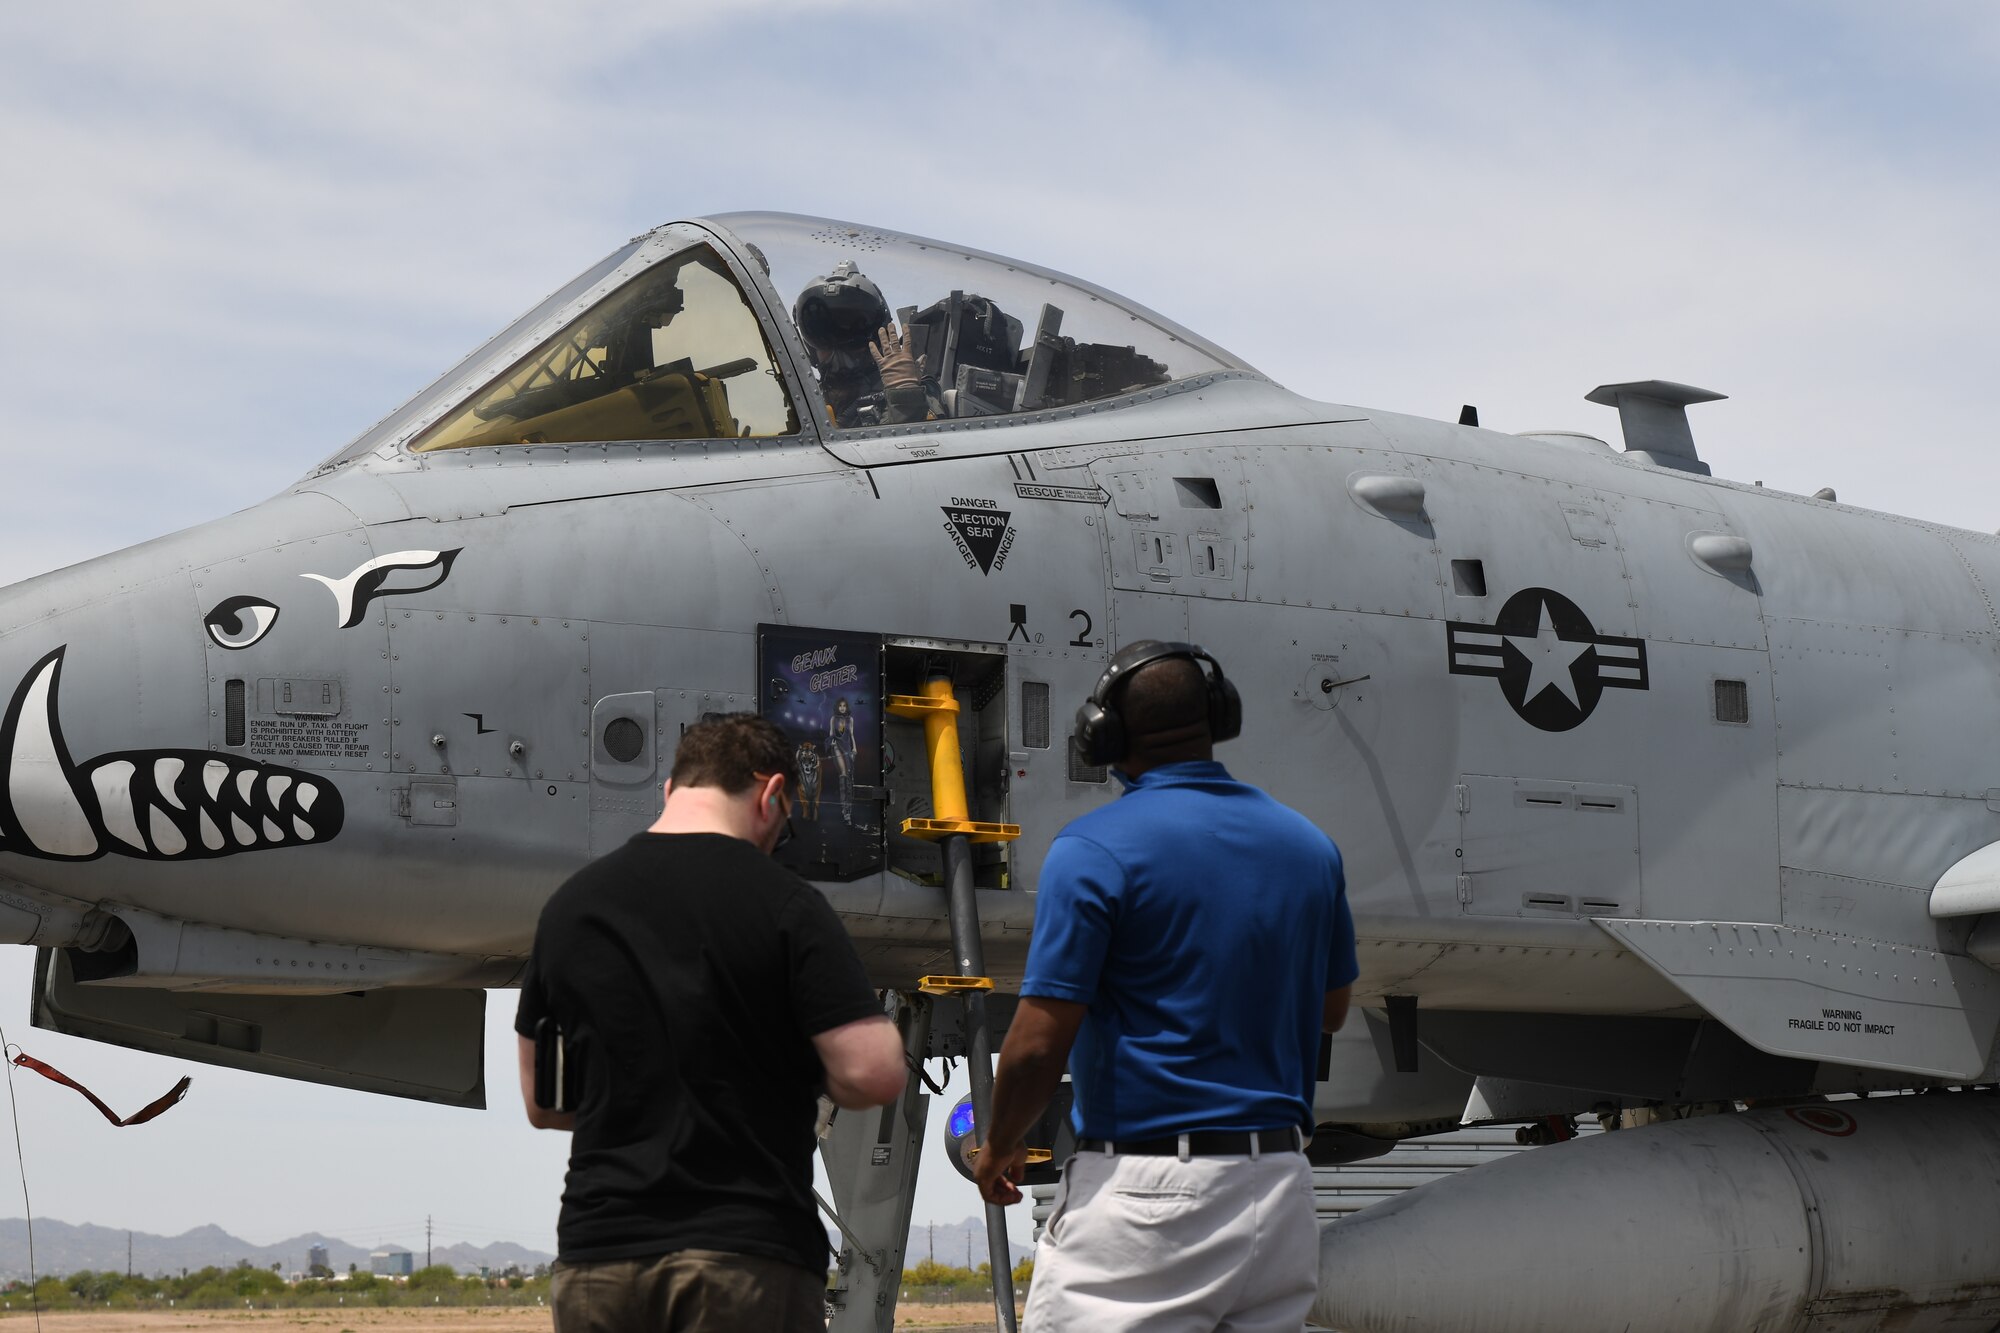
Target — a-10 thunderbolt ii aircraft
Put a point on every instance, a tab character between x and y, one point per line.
1660	793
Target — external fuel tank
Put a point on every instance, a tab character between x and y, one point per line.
1838	1217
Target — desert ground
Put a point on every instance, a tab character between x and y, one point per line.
973	1318
502	1319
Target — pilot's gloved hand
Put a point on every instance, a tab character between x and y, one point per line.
900	368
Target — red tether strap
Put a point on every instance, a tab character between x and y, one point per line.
139	1117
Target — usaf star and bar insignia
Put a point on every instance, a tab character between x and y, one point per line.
1552	664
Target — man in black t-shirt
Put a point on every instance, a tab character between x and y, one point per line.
705	995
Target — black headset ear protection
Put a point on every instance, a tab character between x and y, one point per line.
1100	730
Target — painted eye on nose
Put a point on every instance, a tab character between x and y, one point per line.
239	622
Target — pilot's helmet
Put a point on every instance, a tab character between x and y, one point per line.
841	312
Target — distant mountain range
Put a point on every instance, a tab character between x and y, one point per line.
63	1248
950	1244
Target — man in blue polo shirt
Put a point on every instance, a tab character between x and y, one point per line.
1192	940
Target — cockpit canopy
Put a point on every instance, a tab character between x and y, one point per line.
965	334
675	353
747	325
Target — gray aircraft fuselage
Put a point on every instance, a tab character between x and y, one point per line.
1603	741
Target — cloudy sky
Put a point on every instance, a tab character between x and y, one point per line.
236	234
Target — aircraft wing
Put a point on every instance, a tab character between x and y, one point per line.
1818	995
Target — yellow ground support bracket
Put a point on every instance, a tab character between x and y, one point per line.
1035	1155
953	985
931	830
937	709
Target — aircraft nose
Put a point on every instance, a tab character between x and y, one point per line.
38	805
81	651
42	811
109	734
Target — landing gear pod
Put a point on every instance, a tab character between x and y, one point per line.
1713	1225
1050	1142
958	1136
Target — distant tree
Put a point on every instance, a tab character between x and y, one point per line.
1024	1272
437	1277
214	1295
931	1273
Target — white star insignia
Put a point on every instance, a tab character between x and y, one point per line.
1549	660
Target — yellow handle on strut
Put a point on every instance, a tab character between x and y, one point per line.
937	708
953	985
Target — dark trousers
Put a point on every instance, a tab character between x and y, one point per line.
688	1291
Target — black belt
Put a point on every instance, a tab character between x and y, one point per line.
1208	1143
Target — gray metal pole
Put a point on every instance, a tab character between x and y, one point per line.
963	910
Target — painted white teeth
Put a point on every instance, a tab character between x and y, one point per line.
46	811
113	784
167	772
167	839
143	803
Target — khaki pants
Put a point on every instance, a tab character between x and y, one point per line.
688	1291
1158	1245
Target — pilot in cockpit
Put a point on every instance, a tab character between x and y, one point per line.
868	370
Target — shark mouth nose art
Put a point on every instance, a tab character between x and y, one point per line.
161	805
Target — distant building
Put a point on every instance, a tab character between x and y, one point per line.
392	1261
316	1264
